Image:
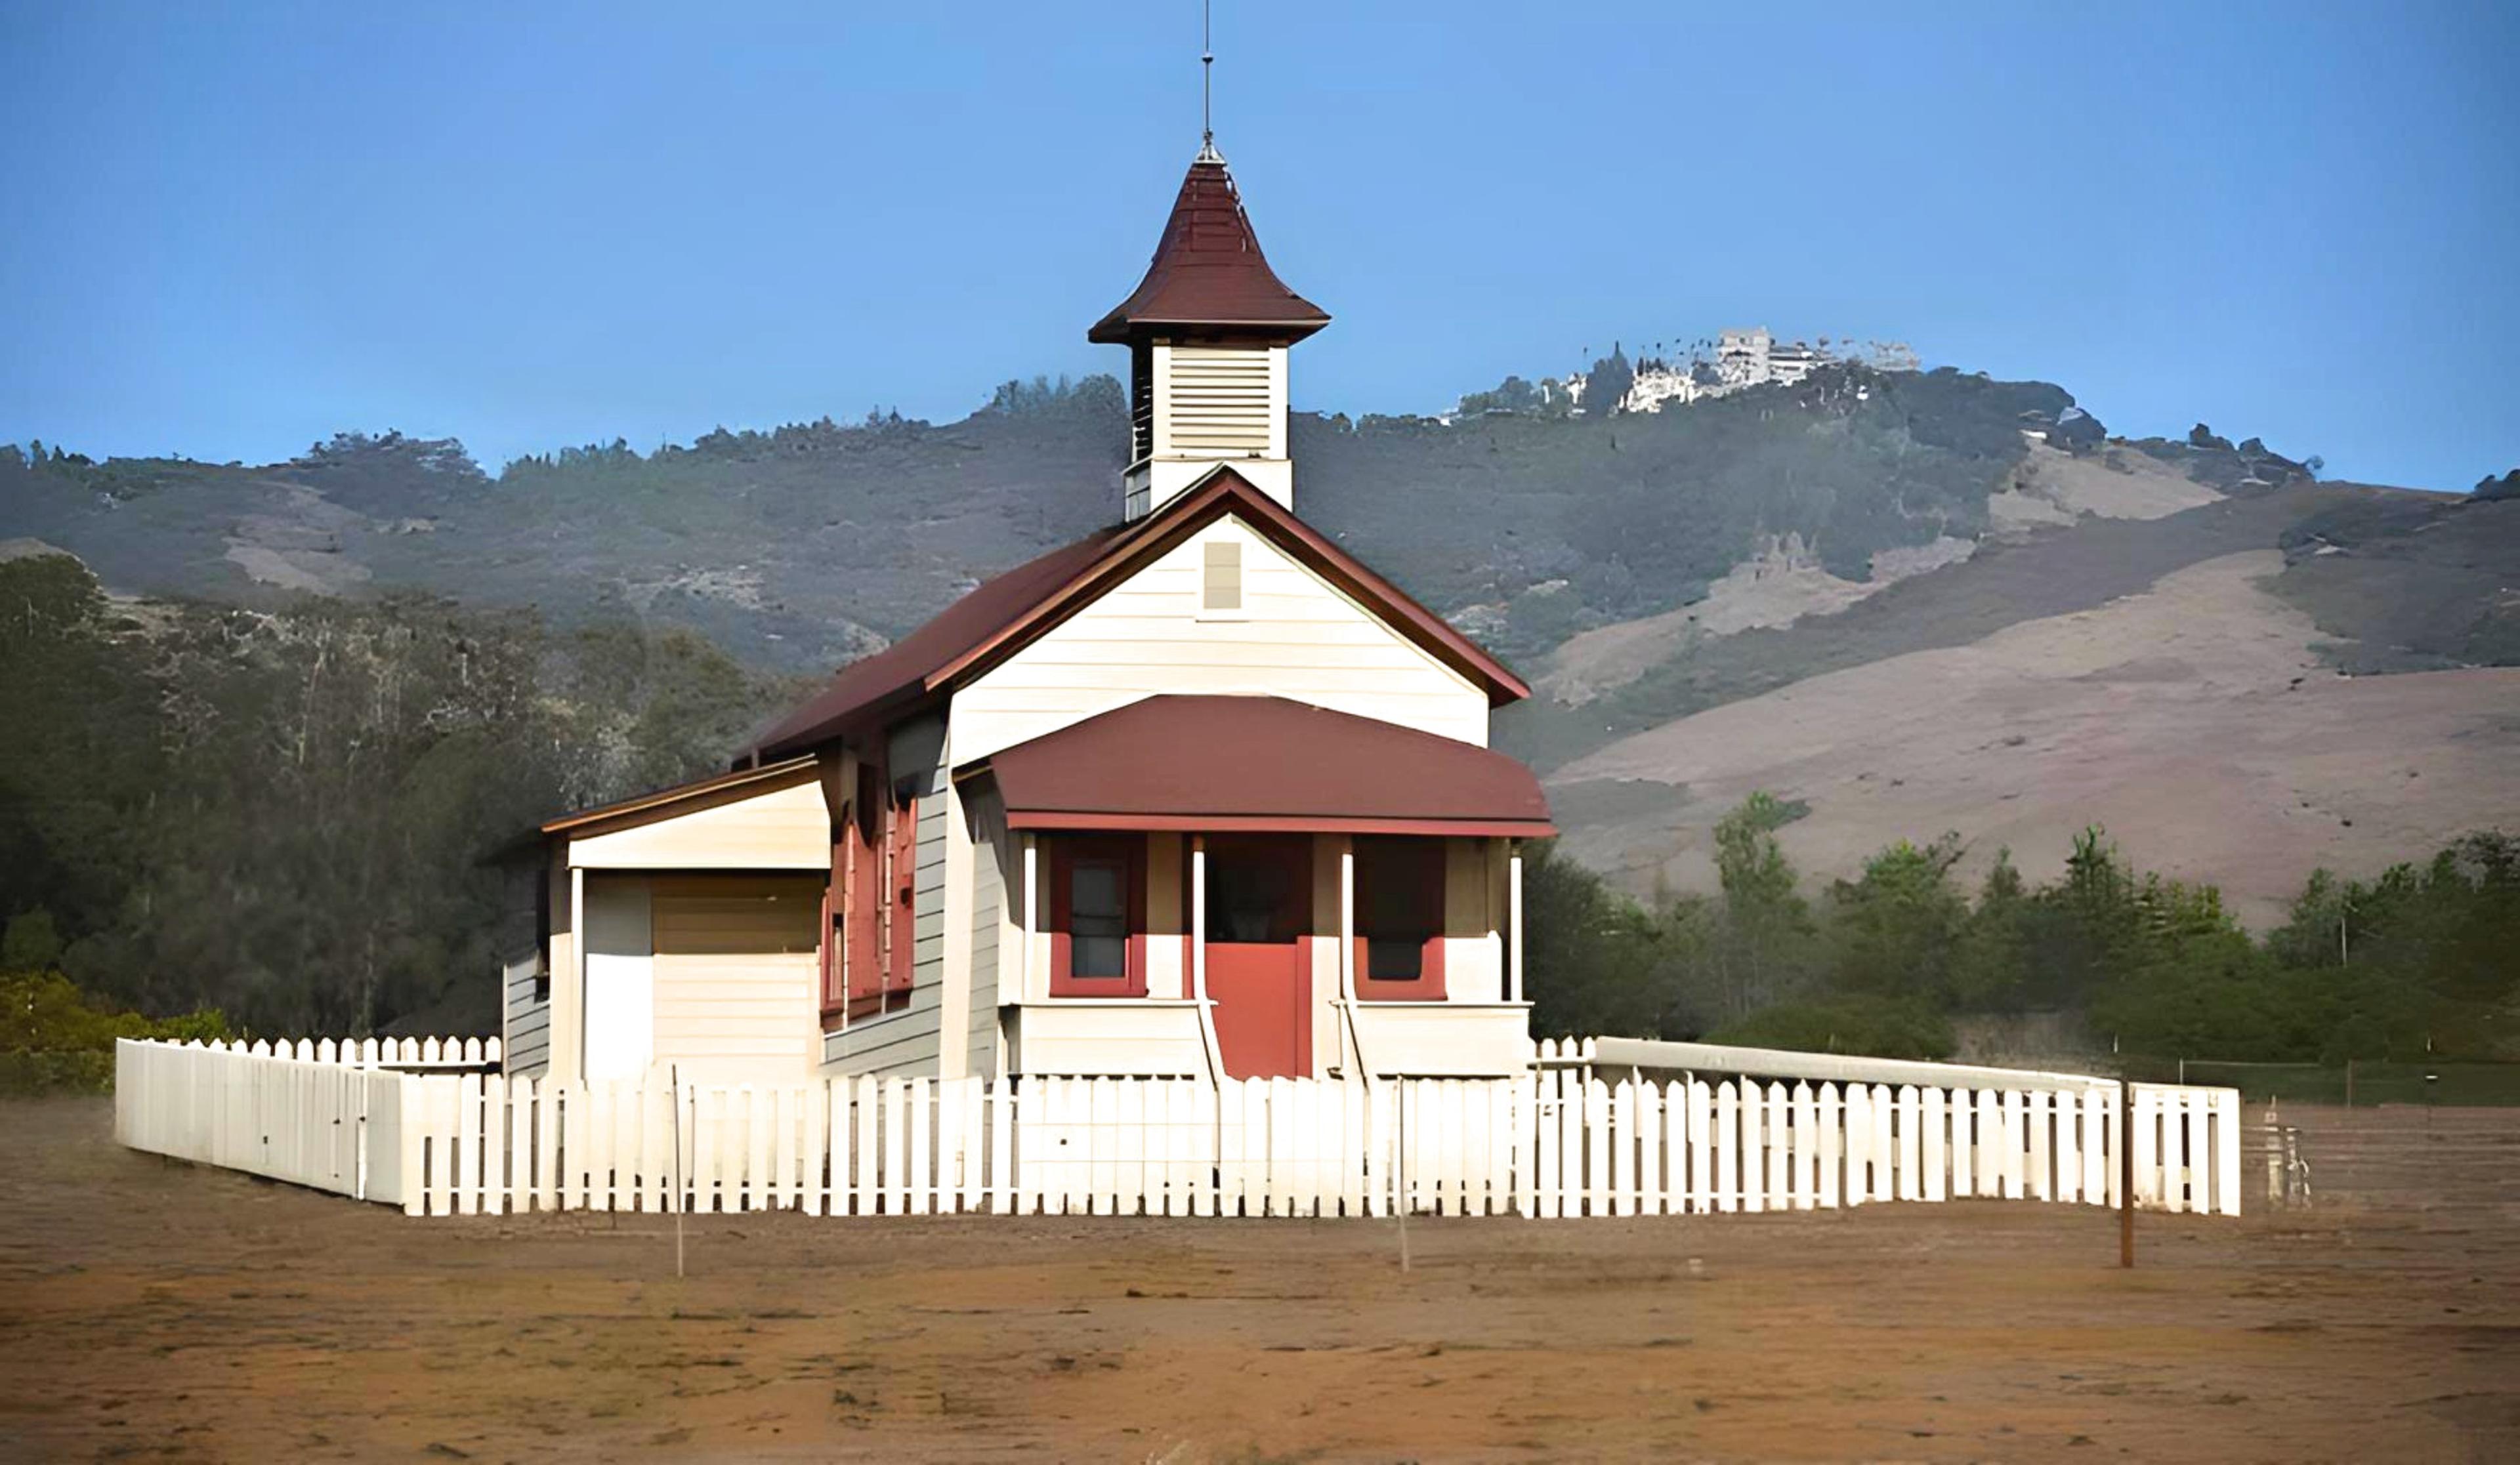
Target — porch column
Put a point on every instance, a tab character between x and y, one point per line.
1198	965
1513	921
577	964
1199	917
1351	1041
1347	919
1031	917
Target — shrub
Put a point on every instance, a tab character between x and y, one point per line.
52	1037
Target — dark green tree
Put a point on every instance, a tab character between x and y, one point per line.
1896	931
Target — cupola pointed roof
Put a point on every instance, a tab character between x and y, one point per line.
1208	271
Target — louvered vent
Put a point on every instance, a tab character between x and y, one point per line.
1217	402
1142	402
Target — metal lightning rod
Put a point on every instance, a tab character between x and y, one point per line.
1206	79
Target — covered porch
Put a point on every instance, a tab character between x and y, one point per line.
1252	887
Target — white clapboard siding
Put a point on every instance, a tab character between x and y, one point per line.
1552	1144
1296	636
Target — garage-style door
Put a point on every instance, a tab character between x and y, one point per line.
735	975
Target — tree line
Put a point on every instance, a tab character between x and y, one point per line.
2419	961
319	819
315	819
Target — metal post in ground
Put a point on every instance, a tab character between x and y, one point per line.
675	1076
2275	1176
2126	1172
1400	1108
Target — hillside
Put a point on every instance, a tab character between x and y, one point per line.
2147	644
2194	718
1904	601
801	547
796	550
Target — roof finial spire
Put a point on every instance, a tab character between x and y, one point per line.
1206	83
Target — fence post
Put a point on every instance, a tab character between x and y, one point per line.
1728	1146
2041	1153
1830	1109
2126	1172
1400	1107
2227	1151
1779	1146
1859	1143
674	1077
414	1104
1623	1138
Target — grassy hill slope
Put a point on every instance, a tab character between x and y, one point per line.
2200	713
1587	543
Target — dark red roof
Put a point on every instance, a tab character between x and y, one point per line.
1257	763
899	671
1001	616
1208	271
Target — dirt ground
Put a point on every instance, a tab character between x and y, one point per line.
154	1309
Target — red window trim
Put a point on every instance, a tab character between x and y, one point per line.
1428	985
1129	852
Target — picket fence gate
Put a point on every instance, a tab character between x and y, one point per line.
1550	1145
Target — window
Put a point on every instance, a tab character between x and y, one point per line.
1399	918
1221	585
1097	916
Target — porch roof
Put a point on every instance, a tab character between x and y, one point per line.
1223	764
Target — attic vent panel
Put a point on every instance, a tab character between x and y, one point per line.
1218	402
1221	586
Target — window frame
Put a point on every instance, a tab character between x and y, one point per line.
1435	871
1129	853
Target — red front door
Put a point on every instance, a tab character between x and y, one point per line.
1259	921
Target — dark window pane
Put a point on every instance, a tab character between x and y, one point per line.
1390	960
1097	920
1250	896
1094	890
1097	956
1399	903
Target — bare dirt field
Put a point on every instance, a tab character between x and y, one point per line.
154	1310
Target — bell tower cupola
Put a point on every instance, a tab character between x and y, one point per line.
1207	332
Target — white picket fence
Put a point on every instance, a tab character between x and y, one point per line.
1550	1145
419	1053
314	1123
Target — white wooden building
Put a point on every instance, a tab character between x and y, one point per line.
1200	795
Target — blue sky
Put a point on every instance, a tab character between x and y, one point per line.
230	230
